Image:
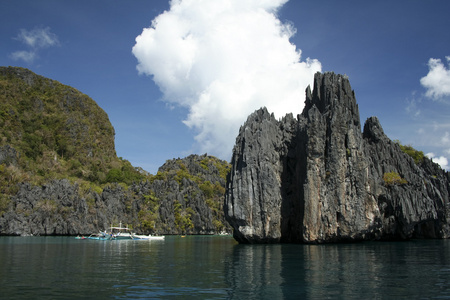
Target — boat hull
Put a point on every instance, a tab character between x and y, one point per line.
148	237
121	233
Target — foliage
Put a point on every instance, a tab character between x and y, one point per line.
393	178
218	225
58	132
183	218
4	203
408	149
88	187
223	168
148	214
126	174
207	188
201	178
46	206
10	176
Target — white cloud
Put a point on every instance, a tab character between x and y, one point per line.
446	138
222	60
412	107
444	141
38	37
437	81
27	56
441	160
35	39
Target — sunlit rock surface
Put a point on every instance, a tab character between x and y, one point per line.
318	177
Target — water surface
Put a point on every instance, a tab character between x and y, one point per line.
216	267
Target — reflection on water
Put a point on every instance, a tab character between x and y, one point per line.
205	267
418	269
385	270
255	272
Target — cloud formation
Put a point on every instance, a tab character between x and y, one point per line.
413	106
437	81
222	60
27	56
444	143
35	40
441	160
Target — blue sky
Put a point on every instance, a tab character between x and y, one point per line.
189	81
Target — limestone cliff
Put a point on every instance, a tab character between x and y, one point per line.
318	178
60	175
185	197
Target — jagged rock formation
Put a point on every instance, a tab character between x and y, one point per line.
185	197
191	195
317	178
51	209
60	175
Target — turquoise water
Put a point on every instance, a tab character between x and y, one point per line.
215	267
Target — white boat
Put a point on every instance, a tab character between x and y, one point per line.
148	237
122	233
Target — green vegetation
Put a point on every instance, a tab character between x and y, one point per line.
126	174
199	177
393	178
4	203
177	170
148	214
408	149
183	217
57	132
211	162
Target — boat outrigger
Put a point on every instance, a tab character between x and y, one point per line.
122	233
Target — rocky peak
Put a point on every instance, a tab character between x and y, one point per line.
332	93
373	130
318	179
24	74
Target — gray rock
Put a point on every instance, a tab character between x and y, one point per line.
8	155
318	178
181	206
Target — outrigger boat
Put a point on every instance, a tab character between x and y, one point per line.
122	233
99	236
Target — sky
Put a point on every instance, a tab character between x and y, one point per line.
180	77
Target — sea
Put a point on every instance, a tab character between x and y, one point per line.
216	267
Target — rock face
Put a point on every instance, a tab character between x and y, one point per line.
185	197
8	155
60	208
190	193
317	178
50	131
